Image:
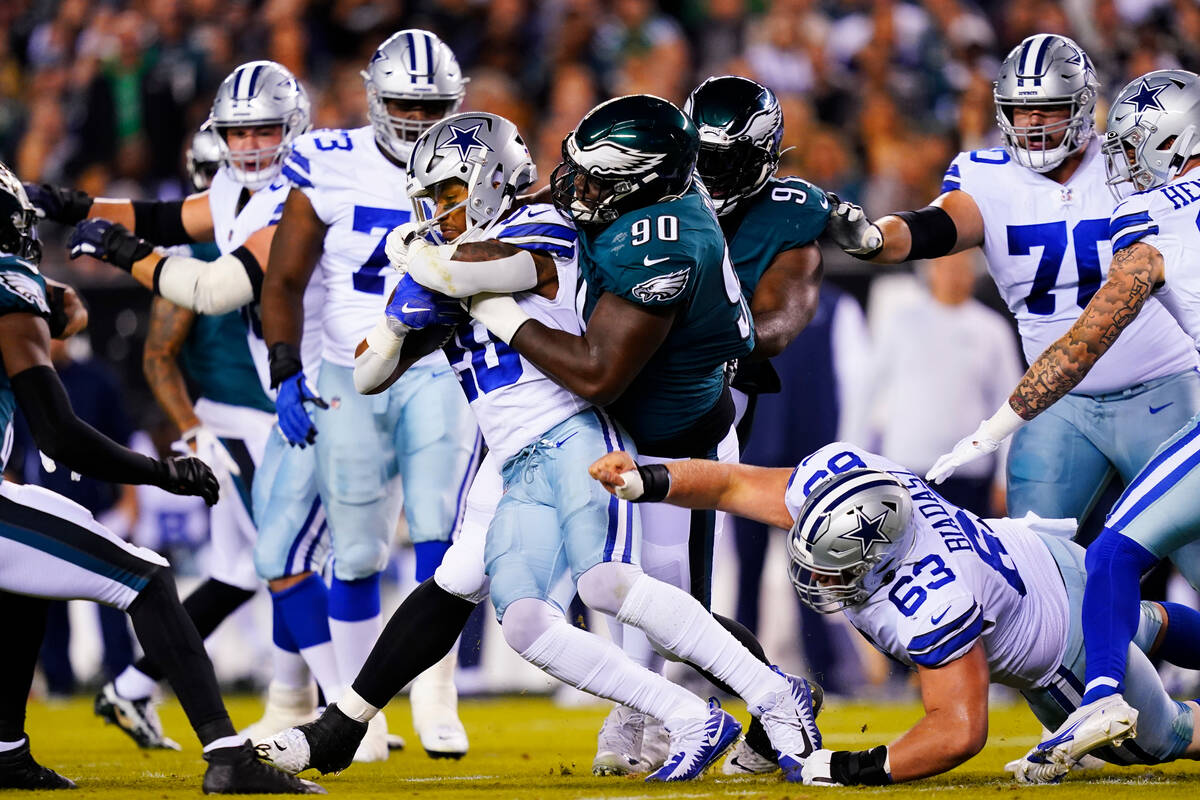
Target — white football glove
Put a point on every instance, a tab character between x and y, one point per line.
850	229
206	446
633	488
985	440
397	243
815	771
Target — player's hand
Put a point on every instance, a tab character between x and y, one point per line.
618	473
191	476
850	229
58	203
397	243
207	447
108	241
415	307
816	770
295	423
969	448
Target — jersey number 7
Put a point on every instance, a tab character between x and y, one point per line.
375	222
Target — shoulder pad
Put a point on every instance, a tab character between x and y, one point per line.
1133	219
965	163
22	288
539	226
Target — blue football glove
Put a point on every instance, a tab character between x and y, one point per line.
294	421
416	307
108	241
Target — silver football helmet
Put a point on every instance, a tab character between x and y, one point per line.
852	528
259	93
1046	70
416	66
485	152
1153	129
203	158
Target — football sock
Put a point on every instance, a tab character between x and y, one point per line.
7	746
354	707
354	621
168	636
419	634
1111	610
288	667
208	606
302	611
24	624
593	664
224	741
429	557
133	684
1181	641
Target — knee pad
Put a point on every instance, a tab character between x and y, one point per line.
461	572
603	587
526	619
359	559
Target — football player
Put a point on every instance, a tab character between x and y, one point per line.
1039	208
1153	143
258	112
964	601
348	191
54	548
551	522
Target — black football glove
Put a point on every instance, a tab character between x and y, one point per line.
108	241
189	475
58	203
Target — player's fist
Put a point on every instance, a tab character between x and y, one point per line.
617	472
817	769
108	241
189	475
397	243
850	229
58	203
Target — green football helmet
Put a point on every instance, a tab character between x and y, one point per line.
625	154
740	125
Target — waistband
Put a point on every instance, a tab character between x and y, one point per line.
1135	389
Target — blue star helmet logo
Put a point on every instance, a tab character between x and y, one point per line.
464	140
868	531
1146	97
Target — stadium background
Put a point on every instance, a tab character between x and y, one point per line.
878	97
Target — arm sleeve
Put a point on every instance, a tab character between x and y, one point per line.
210	287
67	439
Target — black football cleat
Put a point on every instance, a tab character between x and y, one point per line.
327	744
236	770
18	770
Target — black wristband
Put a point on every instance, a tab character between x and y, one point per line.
285	362
160	221
55	297
860	767
123	249
933	232
656	483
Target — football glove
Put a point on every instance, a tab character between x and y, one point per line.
294	421
206	446
850	229
396	245
58	203
191	476
108	241
416	307
817	769
985	440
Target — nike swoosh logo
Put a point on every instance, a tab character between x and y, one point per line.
650	262
537	213
940	617
407	309
1154	410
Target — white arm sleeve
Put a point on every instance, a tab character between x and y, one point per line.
206	287
434	267
375	365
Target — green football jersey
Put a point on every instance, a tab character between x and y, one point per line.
216	356
671	254
786	213
22	291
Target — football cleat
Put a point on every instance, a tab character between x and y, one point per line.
745	760
137	718
235	770
434	700
791	725
327	744
697	744
1107	721
619	745
18	770
286	708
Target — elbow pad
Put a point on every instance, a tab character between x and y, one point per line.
933	232
210	287
434	268
160	221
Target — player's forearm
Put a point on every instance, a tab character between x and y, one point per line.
114	209
572	361
775	330
170	390
897	240
205	287
282	309
943	739
748	491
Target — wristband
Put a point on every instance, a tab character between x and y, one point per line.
860	767
285	362
932	230
656	483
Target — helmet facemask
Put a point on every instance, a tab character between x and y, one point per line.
724	167
396	133
1031	146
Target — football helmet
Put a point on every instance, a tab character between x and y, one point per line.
1153	129
852	528
418	67
625	154
203	158
18	219
485	152
1051	71
740	125
259	93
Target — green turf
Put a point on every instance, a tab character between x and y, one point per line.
525	748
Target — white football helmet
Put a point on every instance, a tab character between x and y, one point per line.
416	66
1046	70
853	527
203	158
1153	129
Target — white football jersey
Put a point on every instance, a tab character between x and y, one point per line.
1165	219
964	580
232	226
514	402
361	197
1048	249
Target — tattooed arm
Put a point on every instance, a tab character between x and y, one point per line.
169	327
1134	272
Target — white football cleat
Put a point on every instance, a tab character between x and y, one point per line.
1107	721
434	700
374	746
696	744
744	761
136	718
790	723
286	707
619	745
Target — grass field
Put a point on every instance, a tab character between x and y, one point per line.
527	749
